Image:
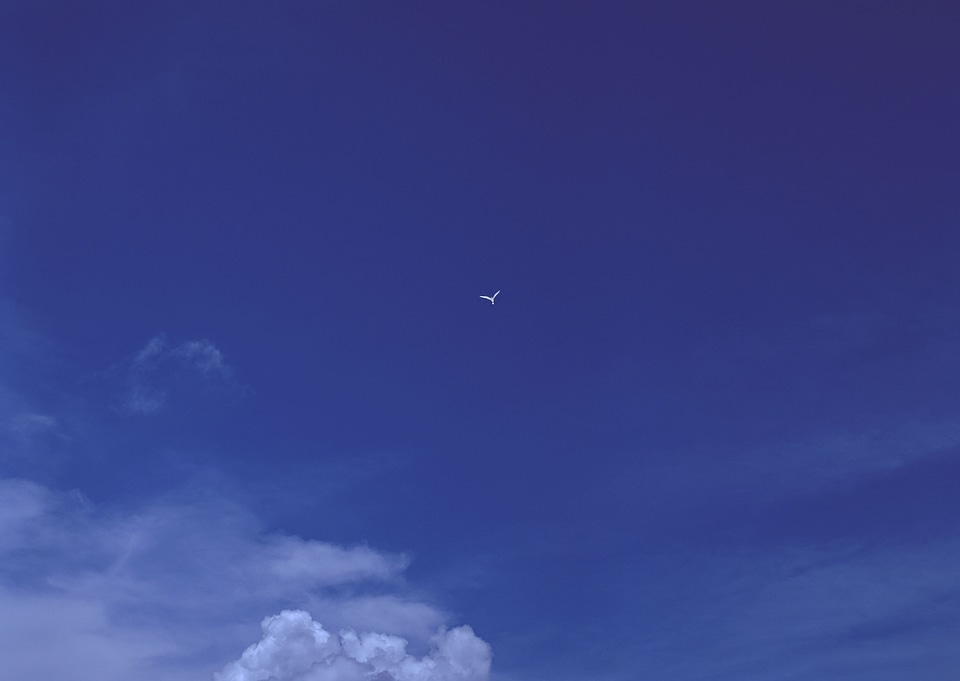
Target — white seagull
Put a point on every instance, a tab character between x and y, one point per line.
490	298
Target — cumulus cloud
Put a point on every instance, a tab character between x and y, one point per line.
173	589
294	647
387	612
161	368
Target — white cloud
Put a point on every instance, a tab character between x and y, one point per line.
293	559
171	590
294	647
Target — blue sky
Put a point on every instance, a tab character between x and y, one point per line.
256	422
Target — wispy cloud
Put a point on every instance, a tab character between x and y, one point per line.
21	502
759	475
320	563
29	424
30	429
834	558
154	347
161	369
202	355
172	589
143	399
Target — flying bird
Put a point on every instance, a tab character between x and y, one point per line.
490	298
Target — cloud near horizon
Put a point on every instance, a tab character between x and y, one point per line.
172	589
294	647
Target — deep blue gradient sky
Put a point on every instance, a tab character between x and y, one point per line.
708	431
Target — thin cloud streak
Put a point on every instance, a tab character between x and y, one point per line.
778	471
816	611
31	424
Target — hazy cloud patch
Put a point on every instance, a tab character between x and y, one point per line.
32	432
30	424
21	504
161	370
203	356
52	636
